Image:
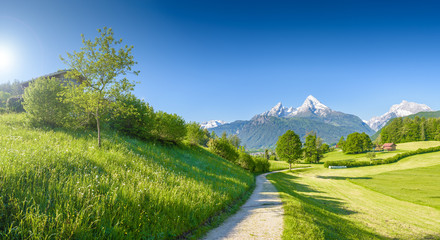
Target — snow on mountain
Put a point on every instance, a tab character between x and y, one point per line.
310	105
212	124
403	109
278	111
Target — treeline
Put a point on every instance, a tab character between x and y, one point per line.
45	106
401	130
355	143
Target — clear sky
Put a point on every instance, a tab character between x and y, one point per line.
232	59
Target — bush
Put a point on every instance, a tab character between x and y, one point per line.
196	135
261	165
42	103
224	149
246	161
134	118
169	127
15	104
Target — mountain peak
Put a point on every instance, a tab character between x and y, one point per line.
312	99
311	104
402	109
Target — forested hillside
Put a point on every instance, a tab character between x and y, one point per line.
411	129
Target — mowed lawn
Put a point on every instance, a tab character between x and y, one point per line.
363	203
281	165
418	185
338	155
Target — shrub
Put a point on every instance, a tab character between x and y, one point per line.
246	161
15	104
371	155
223	148
261	164
196	135
169	127
134	118
42	103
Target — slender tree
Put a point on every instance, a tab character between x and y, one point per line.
289	147
98	67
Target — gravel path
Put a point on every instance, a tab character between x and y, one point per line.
261	217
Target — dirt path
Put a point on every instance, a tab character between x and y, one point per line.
261	217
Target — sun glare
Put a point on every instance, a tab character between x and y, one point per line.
6	59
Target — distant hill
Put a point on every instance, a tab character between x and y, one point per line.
263	130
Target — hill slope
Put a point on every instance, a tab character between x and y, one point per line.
58	184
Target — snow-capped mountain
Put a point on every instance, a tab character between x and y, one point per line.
310	106
278	111
212	124
263	130
403	109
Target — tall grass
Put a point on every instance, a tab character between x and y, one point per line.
57	184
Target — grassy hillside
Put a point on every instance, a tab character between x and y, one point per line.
57	184
398	201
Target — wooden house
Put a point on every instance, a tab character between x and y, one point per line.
389	147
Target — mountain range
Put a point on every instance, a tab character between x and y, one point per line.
263	130
403	109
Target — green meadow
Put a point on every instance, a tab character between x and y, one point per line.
56	184
338	155
392	201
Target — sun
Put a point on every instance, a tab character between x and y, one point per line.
6	59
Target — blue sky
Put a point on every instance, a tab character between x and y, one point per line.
232	59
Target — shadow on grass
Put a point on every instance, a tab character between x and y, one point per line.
315	217
334	205
342	178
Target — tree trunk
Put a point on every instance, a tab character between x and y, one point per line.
99	129
290	167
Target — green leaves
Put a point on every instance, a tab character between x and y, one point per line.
97	67
289	147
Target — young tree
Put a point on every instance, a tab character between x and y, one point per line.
235	140
266	154
289	147
341	142
312	148
98	67
195	134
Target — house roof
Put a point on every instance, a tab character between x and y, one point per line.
388	145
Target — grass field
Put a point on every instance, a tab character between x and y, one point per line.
417	185
281	165
363	203
59	185
338	155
